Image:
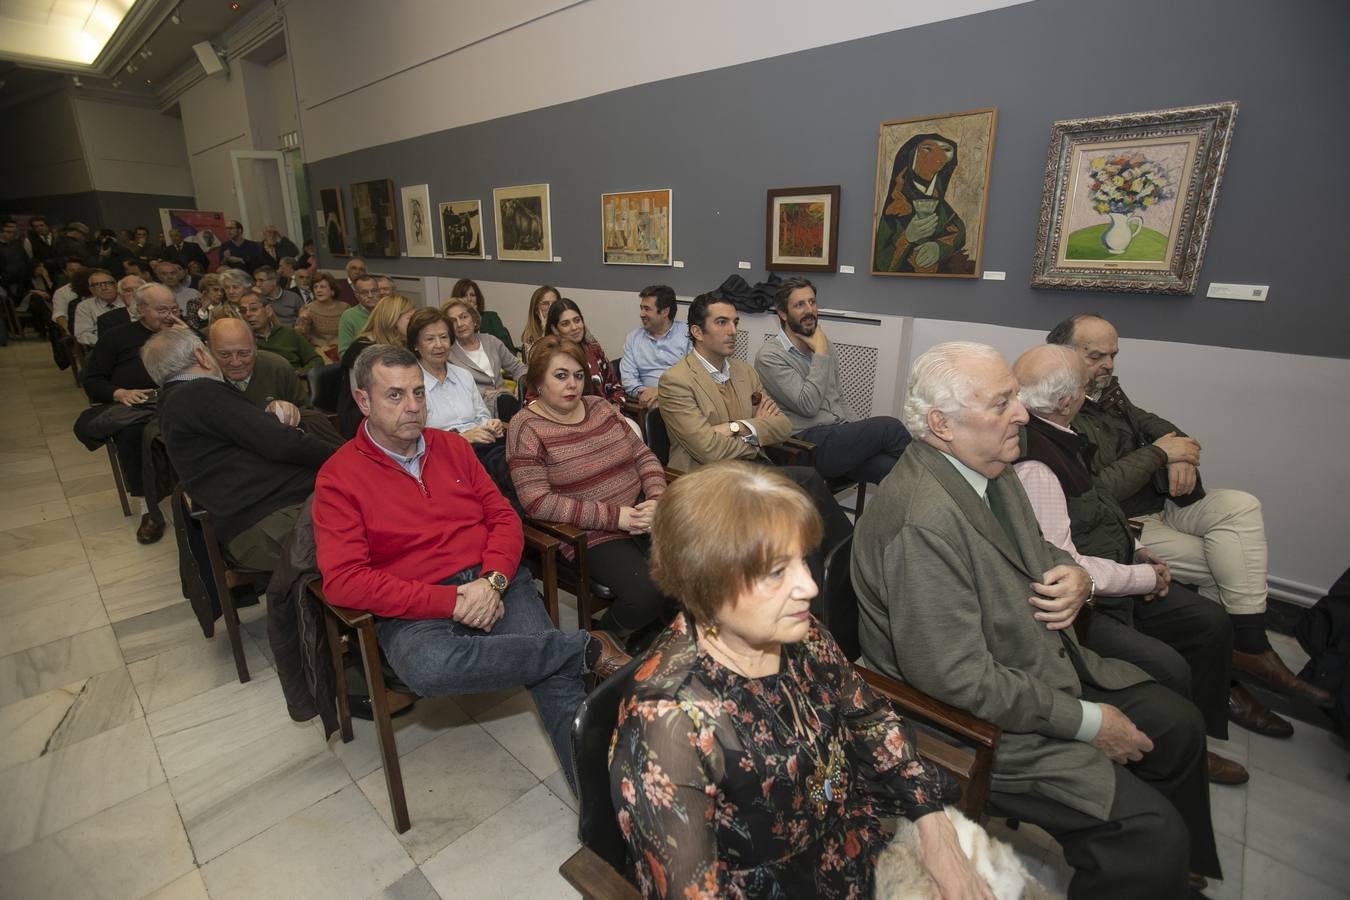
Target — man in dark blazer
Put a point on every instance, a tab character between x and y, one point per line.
960	595
183	252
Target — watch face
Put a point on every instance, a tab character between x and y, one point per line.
498	581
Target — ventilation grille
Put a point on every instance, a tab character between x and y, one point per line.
857	373
742	350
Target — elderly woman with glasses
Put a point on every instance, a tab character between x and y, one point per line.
485	357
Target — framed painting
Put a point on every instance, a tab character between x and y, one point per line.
635	228
801	231
201	227
932	187
462	229
334	221
523	230
418	227
376	225
1128	199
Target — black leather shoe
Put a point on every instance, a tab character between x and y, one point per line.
1247	711
149	531
361	708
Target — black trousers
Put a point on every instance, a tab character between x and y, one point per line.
1184	641
622	567
1159	826
864	450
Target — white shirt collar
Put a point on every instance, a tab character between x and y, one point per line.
979	482
722	375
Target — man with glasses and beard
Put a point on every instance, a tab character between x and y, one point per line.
801	373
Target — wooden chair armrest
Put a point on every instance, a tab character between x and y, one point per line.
538	540
633	409
562	532
1135	526
792	452
942	715
595	878
672	474
352	618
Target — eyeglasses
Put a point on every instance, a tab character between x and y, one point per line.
165	310
102	283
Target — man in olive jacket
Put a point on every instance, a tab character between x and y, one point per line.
1212	538
961	596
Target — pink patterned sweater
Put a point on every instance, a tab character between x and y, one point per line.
581	474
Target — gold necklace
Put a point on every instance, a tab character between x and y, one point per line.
826	783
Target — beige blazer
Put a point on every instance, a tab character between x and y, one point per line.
942	603
692	403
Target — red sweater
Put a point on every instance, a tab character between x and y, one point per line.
385	540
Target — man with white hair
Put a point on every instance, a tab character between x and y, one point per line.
1213	538
1139	615
249	469
961	596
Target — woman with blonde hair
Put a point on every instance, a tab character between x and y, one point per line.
536	316
485	357
490	322
388	324
199	309
749	758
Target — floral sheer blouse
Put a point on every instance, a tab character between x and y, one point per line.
710	776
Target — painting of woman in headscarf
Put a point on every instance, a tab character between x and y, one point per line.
930	210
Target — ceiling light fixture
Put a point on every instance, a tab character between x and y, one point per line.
117	82
131	68
75	80
175	18
146	53
234	7
147	81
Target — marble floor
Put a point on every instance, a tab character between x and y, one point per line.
133	764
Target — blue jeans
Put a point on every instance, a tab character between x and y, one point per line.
441	656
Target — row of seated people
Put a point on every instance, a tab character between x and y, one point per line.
964	632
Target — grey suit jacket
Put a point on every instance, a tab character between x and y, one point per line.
692	403
943	594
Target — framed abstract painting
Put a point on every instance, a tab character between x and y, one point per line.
931	190
1129	199
801	232
523	228
635	228
376	219
334	222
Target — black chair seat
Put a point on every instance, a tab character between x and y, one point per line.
597	823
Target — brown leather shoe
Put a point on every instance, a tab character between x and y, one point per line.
1247	711
1269	671
611	657
149	530
1224	771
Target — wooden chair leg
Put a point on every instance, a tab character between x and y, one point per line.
232	627
118	478
344	710
384	726
549	573
862	495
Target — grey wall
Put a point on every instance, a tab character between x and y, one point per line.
721	138
100	209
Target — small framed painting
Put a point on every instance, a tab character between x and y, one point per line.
802	229
635	228
1129	199
334	222
417	225
523	229
376	225
932	187
462	229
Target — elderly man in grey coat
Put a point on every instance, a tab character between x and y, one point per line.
960	595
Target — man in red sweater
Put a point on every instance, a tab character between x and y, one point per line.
409	526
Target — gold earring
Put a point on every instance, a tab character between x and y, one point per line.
710	630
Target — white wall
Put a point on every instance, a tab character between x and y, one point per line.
41	152
215	121
286	115
133	149
438	64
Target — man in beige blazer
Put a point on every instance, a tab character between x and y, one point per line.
960	595
707	402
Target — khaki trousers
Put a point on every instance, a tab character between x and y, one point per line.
1217	544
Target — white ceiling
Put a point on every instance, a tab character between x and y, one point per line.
60	31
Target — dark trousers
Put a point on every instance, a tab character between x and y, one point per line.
1184	641
837	525
622	567
1159	825
864	451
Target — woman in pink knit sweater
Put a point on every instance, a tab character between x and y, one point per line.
573	459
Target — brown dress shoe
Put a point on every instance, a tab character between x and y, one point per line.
149	530
1269	671
1247	711
1224	771
611	658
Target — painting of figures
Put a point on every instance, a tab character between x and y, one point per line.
462	229
635	228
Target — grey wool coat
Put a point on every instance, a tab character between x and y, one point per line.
943	594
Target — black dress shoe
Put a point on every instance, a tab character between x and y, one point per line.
150	530
1247	711
361	708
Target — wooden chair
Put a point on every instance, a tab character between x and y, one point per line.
222	579
119	479
384	702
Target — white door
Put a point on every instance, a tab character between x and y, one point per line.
266	193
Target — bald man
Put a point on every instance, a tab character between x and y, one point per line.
1138	615
264	377
1213	538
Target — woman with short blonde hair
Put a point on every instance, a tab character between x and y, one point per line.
482	355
